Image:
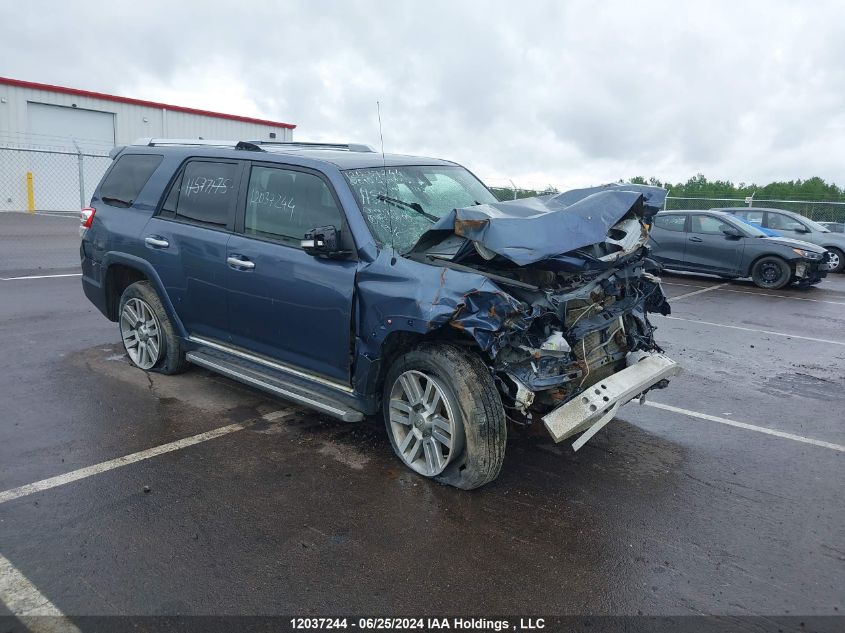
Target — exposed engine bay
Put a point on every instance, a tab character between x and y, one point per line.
567	319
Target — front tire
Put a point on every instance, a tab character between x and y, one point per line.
771	273
837	260
444	416
147	333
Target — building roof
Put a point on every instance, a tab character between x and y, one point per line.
140	102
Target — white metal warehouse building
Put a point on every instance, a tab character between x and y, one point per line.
54	141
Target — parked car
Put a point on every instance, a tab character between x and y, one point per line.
716	242
790	224
356	283
834	227
767	232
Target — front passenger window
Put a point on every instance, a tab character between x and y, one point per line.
285	204
784	222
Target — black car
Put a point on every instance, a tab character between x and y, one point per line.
718	243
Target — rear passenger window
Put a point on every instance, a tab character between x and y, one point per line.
285	204
670	222
126	179
204	193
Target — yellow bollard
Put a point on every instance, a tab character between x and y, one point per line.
30	194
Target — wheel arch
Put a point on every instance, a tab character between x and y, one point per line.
750	269
122	270
396	343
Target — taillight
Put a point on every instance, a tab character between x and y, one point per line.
86	217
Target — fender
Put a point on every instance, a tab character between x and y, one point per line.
115	257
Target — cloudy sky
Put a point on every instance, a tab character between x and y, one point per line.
567	93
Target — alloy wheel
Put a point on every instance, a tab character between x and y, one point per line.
426	432
141	334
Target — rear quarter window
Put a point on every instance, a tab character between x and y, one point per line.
127	177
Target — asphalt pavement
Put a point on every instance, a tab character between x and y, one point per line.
722	495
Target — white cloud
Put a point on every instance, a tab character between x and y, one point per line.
542	92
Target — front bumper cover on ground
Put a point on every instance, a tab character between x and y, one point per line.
596	406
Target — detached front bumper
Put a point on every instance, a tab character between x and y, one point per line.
595	407
812	271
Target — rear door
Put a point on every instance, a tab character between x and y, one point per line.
709	249
285	303
186	243
668	238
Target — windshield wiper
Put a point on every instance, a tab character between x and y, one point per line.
414	206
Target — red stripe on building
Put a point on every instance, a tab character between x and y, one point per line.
140	102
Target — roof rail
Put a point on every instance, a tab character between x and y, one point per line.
157	142
349	147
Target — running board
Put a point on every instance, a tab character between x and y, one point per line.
274	384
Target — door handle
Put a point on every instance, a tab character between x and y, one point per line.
156	242
236	261
695	239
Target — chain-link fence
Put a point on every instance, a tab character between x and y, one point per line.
819	210
34	178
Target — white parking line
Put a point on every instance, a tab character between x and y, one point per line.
96	469
767	294
24	600
697	292
750	292
749	427
751	329
40	277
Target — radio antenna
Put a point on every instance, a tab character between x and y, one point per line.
384	184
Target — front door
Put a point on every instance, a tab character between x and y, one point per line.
285	303
186	243
709	249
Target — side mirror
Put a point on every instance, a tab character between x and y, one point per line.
732	233
322	241
802	229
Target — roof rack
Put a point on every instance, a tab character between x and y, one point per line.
254	146
348	147
157	142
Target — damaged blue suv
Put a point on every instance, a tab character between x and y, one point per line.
357	284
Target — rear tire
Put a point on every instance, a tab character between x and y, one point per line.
147	332
839	257
436	384
771	273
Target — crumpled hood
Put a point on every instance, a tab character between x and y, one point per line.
533	229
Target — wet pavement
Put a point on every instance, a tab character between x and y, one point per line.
661	513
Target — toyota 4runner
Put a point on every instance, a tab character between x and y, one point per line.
356	284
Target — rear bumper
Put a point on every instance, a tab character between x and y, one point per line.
92	284
596	406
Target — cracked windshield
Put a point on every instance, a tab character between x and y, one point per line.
402	203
